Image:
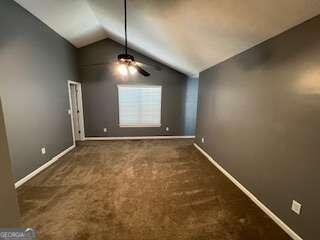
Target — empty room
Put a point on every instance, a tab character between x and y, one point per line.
159	120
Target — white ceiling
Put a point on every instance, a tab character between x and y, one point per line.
189	35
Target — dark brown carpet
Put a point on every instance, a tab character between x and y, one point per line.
140	190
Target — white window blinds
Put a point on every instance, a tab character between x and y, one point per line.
139	105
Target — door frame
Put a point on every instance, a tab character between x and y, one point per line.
80	106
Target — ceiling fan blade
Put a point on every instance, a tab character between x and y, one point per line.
142	71
155	67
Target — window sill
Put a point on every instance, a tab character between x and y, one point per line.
141	126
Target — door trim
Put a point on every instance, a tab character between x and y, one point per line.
80	106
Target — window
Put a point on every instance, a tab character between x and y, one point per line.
139	105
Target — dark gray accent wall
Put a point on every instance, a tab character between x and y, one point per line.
259	113
9	216
35	64
100	96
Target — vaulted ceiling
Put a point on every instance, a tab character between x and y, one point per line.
188	35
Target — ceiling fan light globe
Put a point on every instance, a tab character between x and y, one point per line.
132	70
123	69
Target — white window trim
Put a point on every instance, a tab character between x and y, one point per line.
139	125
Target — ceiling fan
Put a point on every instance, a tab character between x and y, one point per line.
126	63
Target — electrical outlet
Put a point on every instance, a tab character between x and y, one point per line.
43	150
202	140
296	207
167	129
105	130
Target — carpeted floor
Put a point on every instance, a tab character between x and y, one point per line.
140	190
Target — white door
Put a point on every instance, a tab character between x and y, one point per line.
75	111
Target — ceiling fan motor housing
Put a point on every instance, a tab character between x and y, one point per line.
125	58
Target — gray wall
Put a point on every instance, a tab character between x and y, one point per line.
35	64
100	99
260	115
8	200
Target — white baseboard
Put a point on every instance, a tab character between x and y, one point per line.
136	138
267	211
44	166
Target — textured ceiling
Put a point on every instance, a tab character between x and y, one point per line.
189	35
